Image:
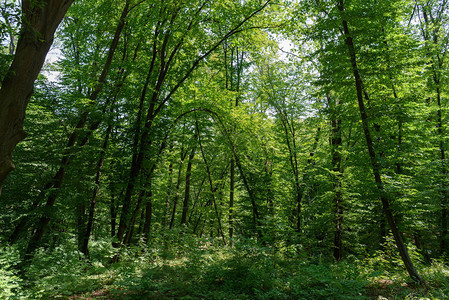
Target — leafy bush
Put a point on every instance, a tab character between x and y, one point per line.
10	282
326	282
247	271
204	269
62	271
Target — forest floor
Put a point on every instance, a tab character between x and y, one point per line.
385	289
207	271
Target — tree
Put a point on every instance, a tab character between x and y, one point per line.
376	168
39	23
432	16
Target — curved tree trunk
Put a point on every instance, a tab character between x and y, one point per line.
39	26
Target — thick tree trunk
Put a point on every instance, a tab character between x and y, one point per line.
376	168
39	25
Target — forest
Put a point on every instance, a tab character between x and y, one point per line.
224	149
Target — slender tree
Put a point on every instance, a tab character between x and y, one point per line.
376	167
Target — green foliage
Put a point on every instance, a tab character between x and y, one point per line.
247	271
206	269
60	271
10	281
183	80
437	274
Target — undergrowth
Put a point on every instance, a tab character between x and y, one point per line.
204	269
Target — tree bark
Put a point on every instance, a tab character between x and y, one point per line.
39	23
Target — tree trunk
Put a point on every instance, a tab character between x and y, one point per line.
231	199
148	217
146	190
130	228
113	209
137	160
169	192
437	61
185	205
212	189
80	221
336	143
178	183
141	222
376	168
24	221
293	159
93	201
39	25
443	194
